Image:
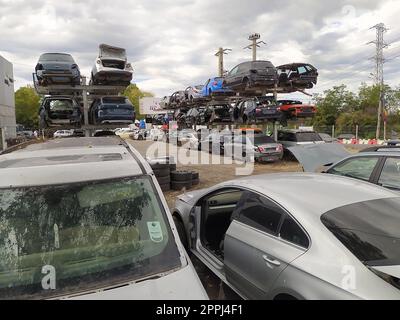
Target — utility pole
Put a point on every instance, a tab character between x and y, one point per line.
254	44
379	61
220	55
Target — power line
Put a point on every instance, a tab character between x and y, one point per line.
379	59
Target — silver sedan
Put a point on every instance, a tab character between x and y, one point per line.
296	236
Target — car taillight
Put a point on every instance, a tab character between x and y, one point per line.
258	110
279	148
278	109
215	83
261	149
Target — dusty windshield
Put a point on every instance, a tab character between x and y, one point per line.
58	240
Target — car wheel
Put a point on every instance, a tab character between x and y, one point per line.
165	187
181	176
180	185
180	228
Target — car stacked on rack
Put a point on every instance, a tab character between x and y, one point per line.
59	76
244	90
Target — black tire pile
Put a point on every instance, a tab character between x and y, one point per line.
170	178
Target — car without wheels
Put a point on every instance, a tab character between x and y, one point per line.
193	93
111	67
57	68
112	110
292	109
297	76
251	75
59	110
91	219
264	239
215	87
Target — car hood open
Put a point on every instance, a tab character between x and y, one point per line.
110	52
314	156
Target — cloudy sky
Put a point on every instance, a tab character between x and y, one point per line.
172	43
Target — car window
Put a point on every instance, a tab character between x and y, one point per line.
93	234
308	137
359	168
302	70
291	232
234	71
390	176
262	214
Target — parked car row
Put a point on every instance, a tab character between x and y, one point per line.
247	76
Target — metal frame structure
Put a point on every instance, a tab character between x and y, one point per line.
84	94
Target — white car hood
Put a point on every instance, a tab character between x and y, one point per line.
183	284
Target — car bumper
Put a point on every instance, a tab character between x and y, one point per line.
113	75
268	157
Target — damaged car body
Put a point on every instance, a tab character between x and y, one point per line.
59	110
111	67
297	75
264	241
57	68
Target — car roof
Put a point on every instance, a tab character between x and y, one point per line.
70	160
311	194
395	153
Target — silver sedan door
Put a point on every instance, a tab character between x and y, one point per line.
255	255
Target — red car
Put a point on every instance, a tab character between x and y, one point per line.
296	109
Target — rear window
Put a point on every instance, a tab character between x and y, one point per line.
56	57
308	137
262	64
370	230
263	139
114	100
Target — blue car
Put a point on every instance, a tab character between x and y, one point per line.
214	87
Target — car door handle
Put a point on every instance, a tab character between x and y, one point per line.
272	261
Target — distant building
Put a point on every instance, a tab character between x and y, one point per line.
7	100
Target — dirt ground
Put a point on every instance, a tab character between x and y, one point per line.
212	174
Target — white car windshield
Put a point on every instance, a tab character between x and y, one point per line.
61	240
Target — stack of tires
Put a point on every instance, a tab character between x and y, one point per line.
162	170
184	179
169	178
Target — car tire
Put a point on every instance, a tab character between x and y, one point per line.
165	187
159	166
195	175
180	185
180	228
164	180
181	176
161	173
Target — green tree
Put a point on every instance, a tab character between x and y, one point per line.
334	102
27	107
134	94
